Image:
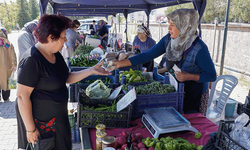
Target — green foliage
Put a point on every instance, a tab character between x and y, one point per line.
8	15
33	9
22	12
83	61
83	49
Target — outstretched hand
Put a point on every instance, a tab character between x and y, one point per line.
97	69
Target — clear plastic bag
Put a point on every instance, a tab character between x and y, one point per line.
98	90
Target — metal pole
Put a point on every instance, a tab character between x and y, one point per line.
119	23
215	25
224	38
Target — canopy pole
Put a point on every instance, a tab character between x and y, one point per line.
224	39
126	17
119	23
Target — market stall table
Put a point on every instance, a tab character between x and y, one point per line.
197	120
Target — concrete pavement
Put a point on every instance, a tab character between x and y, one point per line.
8	125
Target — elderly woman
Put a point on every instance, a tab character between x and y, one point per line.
26	37
42	95
144	41
72	36
184	48
7	63
103	32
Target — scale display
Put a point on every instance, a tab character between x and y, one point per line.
165	120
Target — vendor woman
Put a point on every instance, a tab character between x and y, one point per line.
184	48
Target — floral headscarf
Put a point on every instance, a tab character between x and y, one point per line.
30	26
103	23
186	21
142	28
4	42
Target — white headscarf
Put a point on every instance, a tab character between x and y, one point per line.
186	21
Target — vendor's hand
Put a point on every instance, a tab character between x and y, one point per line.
116	63
32	137
97	69
181	76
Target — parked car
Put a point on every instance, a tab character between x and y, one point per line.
84	28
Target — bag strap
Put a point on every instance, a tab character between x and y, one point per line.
31	147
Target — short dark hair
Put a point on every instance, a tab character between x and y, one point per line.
93	20
51	25
74	23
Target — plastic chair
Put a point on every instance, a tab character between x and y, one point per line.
218	112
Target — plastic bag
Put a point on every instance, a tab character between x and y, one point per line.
98	90
12	82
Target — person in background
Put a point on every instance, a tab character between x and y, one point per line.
71	36
185	49
26	38
144	41
93	28
7	63
42	94
103	32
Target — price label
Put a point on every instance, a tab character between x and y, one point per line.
115	92
173	81
126	100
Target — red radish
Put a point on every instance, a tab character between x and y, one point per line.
121	140
124	146
151	148
134	139
135	148
139	136
141	145
143	149
134	144
124	133
119	135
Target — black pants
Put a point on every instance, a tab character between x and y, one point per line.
192	97
149	65
5	94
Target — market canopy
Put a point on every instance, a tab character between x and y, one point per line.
112	7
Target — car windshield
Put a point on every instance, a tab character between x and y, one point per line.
84	27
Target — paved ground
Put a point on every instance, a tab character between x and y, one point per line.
8	124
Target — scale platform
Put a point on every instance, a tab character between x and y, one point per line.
165	120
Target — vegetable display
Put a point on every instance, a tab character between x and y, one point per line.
83	61
169	143
105	81
83	49
95	37
133	76
152	88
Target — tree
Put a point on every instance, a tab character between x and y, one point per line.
22	12
8	15
33	9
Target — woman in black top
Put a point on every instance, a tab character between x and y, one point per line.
103	32
42	95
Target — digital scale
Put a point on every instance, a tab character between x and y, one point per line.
165	120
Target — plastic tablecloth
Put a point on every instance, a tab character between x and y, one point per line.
197	120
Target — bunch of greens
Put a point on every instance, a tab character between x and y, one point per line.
170	143
105	81
83	61
152	88
95	37
133	76
83	49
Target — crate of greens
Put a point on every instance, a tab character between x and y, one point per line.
82	62
95	111
109	81
156	94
